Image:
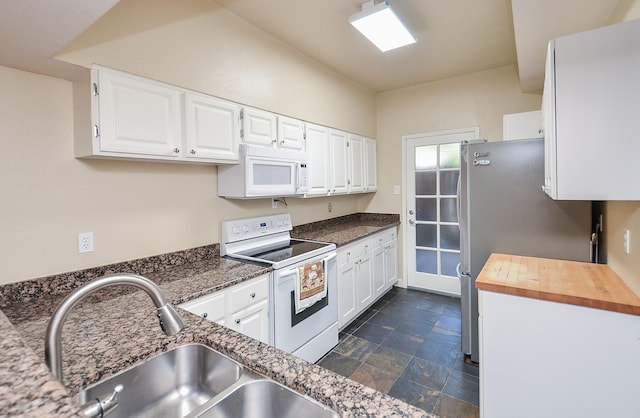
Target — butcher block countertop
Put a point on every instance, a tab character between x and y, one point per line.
571	282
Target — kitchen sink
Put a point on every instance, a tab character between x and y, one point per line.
196	381
266	399
172	384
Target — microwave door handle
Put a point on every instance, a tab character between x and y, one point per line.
298	168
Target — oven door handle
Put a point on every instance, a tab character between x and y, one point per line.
289	272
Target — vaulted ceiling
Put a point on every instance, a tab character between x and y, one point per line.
455	37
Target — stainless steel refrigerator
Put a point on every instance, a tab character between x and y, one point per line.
503	209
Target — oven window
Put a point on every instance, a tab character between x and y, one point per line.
297	318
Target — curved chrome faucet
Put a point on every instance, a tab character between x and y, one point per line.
170	320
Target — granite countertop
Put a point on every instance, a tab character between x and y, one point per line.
346	229
116	329
572	282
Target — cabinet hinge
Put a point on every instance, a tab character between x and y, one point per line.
96	131
347	144
241	114
241	133
95	89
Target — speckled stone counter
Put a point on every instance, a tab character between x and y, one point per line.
346	229
115	329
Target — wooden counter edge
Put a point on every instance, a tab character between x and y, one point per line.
483	283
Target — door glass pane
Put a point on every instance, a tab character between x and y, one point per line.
426	209
449	263
426	183
426	261
449	182
450	155
450	237
448	209
426	235
426	157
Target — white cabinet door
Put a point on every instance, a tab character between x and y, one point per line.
522	125
258	127
391	261
356	166
317	146
347	300
370	165
212	128
378	268
339	162
291	133
253	321
548	359
549	124
364	277
597	97
138	116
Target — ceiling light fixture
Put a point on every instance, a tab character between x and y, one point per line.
381	26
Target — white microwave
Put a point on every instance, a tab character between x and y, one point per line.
264	172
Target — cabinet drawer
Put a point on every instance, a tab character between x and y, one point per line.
211	306
245	294
389	235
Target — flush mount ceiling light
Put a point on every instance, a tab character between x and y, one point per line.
381	26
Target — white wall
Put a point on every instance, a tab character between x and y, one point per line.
479	99
139	209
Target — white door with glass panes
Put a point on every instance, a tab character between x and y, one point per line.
431	230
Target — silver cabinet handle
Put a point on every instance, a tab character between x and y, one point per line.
176	150
237	321
204	315
253	295
411	221
192	151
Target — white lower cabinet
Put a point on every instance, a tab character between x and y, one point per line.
243	307
367	268
549	359
347	299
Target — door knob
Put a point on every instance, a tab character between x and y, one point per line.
411	221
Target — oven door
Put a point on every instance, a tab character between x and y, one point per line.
309	327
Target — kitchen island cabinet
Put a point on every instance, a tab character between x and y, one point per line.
557	339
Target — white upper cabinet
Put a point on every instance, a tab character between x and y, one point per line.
259	127
291	133
212	128
356	160
370	167
523	125
317	145
136	115
119	115
591	106
339	162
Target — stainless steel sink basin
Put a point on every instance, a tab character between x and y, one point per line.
266	398
171	384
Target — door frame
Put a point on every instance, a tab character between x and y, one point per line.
475	130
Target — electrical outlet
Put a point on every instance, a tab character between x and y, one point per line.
85	242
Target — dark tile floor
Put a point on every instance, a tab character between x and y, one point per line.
408	345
